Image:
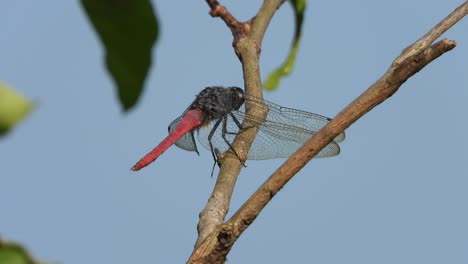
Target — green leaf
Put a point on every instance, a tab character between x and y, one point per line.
128	30
13	108
11	253
273	80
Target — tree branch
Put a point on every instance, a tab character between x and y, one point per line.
239	29
214	247
376	94
247	37
428	38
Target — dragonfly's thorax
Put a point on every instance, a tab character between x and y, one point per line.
217	102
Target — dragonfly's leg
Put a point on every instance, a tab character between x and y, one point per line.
223	135
217	154
210	136
239	125
195	144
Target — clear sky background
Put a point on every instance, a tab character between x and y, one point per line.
397	193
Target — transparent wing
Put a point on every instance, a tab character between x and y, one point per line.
282	132
187	141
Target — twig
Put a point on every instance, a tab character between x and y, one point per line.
434	33
215	247
238	29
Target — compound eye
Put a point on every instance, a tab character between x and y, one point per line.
240	92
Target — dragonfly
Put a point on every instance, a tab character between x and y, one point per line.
217	115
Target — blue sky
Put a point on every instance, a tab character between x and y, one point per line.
395	194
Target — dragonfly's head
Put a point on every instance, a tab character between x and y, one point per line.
237	95
218	101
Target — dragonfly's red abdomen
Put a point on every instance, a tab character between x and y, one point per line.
191	120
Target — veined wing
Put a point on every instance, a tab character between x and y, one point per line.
282	132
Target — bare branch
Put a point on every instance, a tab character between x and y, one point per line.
375	95
238	29
215	247
263	18
434	33
217	10
247	48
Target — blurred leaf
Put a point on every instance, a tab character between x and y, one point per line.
128	30
11	253
273	80
13	108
